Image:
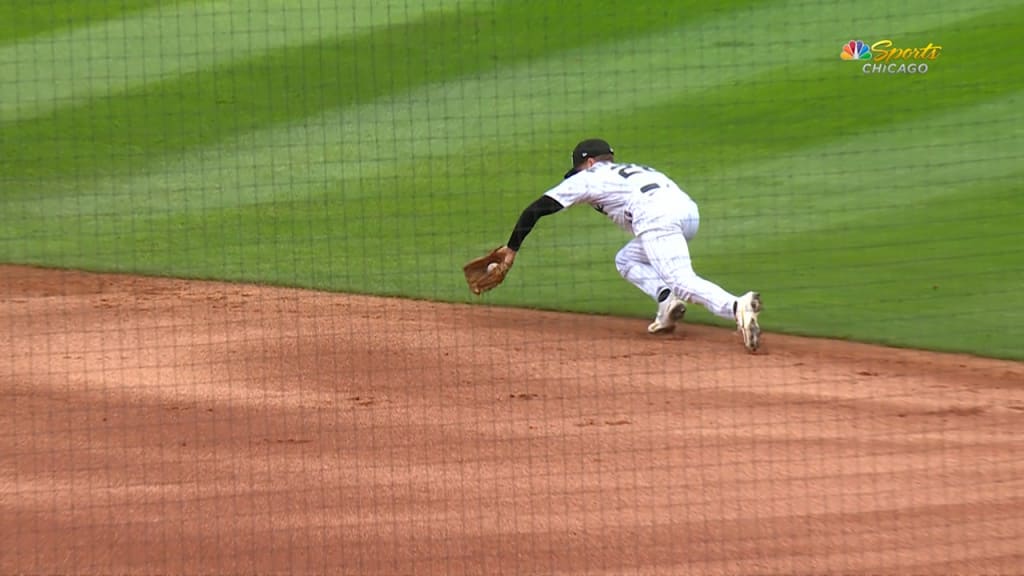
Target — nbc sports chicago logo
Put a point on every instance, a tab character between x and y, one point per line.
883	57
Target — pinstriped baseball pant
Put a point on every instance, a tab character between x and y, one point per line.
659	256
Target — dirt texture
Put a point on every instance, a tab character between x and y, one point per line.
161	426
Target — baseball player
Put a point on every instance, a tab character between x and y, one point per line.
662	218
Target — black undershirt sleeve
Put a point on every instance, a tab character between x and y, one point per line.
541	207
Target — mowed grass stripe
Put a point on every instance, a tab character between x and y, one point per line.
697	143
790	224
522	101
448	122
774	222
317	225
889	236
209	105
110	57
355	243
315	155
787	110
888	169
24	19
943	274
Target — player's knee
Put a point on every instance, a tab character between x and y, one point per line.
623	262
683	279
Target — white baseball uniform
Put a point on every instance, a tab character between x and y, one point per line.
662	219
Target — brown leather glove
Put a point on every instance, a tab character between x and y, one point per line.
487	271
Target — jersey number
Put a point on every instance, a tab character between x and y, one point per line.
634	169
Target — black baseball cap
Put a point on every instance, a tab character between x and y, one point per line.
588	149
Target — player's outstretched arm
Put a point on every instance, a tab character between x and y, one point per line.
488	271
540	207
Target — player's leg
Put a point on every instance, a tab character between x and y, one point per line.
669	253
633	265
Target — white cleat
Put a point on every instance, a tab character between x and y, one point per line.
748	307
670	311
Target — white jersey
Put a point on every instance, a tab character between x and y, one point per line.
617	190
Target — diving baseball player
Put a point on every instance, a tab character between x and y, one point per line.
661	217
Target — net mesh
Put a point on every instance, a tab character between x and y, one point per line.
235	336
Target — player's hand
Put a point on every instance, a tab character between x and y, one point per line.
508	256
488	271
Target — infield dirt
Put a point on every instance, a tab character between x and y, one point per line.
171	426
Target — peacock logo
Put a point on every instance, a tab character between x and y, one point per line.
855	50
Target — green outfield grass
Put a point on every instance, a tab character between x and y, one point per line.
374	146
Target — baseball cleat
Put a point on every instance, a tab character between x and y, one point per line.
748	307
670	311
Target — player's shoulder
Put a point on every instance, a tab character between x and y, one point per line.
614	174
601	171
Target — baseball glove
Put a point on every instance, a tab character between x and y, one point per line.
487	271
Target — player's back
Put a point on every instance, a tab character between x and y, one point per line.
616	189
614	178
